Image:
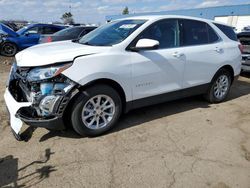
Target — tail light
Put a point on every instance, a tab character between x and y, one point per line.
241	47
49	39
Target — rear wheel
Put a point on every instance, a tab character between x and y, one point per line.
9	49
96	110
220	87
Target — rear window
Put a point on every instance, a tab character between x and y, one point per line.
228	31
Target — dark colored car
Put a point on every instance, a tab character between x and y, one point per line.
70	33
25	37
244	38
246	29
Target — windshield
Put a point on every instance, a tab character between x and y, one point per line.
111	33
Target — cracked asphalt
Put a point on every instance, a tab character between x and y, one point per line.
185	143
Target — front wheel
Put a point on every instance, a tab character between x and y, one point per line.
220	87
96	110
9	49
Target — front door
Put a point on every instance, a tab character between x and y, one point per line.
30	37
159	71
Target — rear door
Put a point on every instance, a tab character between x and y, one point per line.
203	51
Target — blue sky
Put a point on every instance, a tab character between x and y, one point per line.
94	11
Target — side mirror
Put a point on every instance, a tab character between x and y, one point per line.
146	44
27	33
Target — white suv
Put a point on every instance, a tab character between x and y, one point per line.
122	65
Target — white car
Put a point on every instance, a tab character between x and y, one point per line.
123	65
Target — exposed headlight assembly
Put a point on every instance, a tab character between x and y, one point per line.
38	74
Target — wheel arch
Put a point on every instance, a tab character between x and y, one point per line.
226	67
115	85
12	41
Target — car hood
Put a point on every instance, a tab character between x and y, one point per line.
7	30
55	52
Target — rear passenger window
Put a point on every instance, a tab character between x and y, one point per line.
193	33
228	31
50	30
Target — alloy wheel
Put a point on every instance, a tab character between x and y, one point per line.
98	112
221	87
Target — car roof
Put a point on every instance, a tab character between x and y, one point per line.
41	24
82	26
159	17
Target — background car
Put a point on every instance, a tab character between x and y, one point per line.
67	34
25	37
246	29
244	38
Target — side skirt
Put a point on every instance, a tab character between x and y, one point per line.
197	90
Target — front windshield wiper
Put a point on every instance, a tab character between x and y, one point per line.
75	40
86	43
89	44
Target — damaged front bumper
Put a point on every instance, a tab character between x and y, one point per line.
27	103
13	106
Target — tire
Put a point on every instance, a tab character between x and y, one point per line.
9	49
100	105
219	87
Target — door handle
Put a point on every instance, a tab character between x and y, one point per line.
178	55
219	50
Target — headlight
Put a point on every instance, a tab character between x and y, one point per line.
38	74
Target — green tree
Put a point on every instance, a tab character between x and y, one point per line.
67	18
125	11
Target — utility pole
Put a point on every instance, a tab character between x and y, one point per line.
70	2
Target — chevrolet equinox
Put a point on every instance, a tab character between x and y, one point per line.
122	65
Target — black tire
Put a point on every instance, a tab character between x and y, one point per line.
210	96
76	113
9	49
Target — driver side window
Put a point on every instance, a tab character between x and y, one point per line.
35	30
165	31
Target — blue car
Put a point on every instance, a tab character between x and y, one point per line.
25	37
